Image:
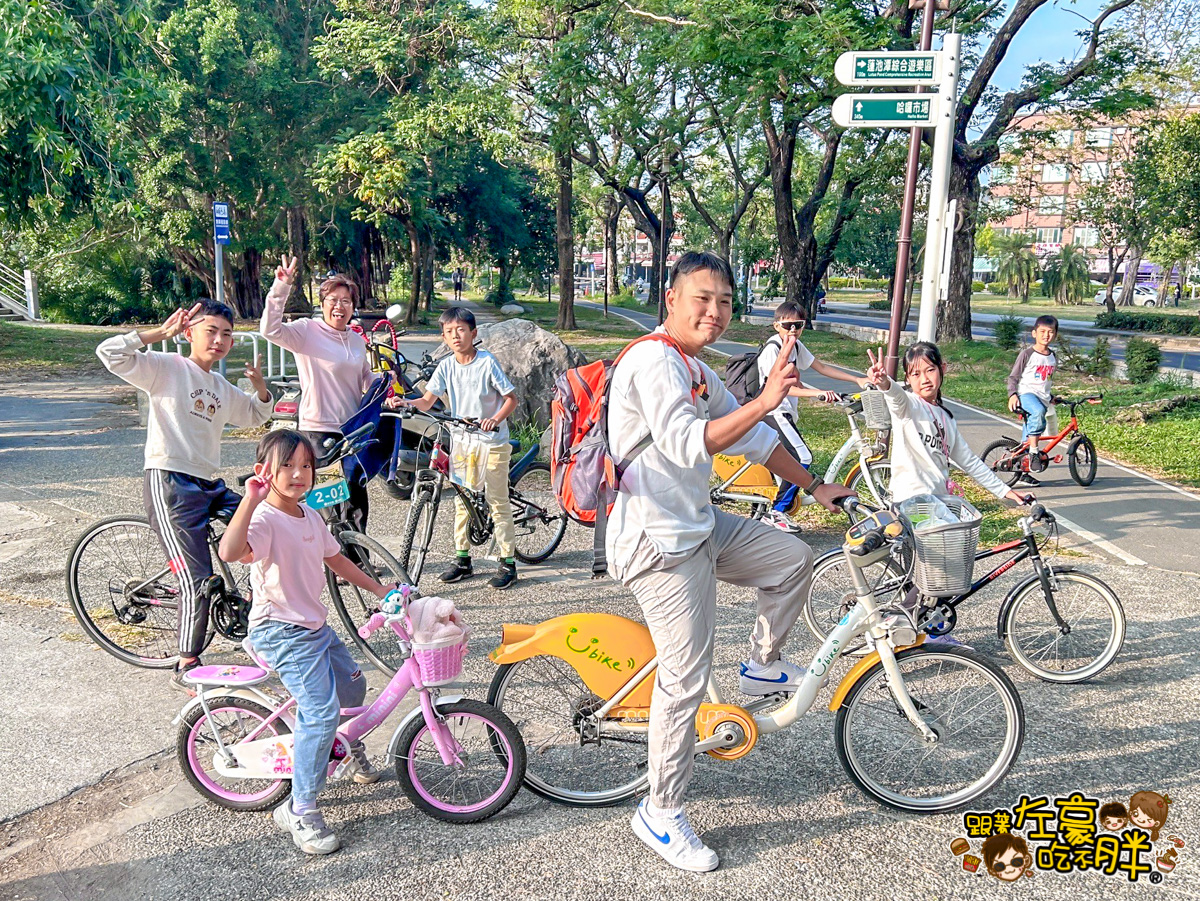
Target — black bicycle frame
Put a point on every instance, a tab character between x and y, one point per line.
1028	548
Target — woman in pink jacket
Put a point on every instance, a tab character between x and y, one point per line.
331	360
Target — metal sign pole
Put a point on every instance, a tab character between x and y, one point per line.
939	185
904	243
220	239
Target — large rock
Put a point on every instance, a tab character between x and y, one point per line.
512	309
533	359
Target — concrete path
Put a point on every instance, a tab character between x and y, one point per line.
1134	517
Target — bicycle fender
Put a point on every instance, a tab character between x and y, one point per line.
250	694
860	669
1011	597
604	649
442	701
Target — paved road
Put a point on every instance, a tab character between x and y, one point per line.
1082	333
1136	518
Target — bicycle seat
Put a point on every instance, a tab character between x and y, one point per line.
227	675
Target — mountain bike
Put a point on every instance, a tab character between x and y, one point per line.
1061	624
457	760
126	597
743	482
918	729
538	519
1010	459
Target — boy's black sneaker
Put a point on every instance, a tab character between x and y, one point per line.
1027	479
460	570
177	682
505	576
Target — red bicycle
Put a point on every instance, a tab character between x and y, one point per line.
1010	459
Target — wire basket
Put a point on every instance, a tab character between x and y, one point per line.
875	409
439	661
945	561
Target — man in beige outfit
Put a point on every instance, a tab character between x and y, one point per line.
669	545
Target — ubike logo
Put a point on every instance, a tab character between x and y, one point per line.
821	664
593	652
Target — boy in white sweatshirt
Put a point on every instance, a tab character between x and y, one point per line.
189	407
668	544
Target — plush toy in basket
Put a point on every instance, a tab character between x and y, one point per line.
439	638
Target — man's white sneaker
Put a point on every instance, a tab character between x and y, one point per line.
674	840
780	520
309	831
758	679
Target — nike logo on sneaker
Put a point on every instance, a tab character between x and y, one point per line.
783	677
665	838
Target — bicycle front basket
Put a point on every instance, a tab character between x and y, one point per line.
945	562
875	409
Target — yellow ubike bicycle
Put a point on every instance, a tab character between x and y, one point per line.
738	481
919	729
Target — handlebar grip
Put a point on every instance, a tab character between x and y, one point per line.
871	543
242	480
361	432
376	620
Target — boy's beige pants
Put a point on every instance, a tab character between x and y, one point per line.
495	488
679	601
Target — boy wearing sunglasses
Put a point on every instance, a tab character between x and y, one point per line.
789	320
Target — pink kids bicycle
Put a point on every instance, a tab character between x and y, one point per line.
458	760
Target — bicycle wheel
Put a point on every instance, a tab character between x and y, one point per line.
1001	450
881	475
234	718
573	758
124	595
1095	633
355	606
832	594
971	706
539	519
418	532
486	775
1081	460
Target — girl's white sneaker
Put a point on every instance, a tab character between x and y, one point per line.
308	831
674	840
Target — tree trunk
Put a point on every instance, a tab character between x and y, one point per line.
247	285
297	301
414	267
565	235
428	266
612	219
1113	262
954	313
1130	280
502	288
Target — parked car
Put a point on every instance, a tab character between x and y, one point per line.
1143	295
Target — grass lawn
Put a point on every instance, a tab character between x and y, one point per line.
29	350
1037	306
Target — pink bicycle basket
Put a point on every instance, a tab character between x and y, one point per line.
440	662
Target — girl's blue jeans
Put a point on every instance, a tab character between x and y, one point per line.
318	671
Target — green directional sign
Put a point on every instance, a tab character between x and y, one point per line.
864	67
885	110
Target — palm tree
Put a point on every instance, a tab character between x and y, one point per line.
1065	277
1015	264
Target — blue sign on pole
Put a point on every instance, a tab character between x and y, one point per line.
221	223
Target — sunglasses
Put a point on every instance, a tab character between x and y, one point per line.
792	326
1016	863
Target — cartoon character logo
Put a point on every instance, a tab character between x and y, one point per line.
1113	816
212	408
198	406
1006	856
1148	810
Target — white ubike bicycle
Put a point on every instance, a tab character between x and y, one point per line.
919	729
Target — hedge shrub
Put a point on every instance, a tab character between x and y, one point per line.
1007	331
1142	358
866	284
1136	320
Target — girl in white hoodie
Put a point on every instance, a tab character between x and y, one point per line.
925	438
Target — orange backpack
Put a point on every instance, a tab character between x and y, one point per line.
585	475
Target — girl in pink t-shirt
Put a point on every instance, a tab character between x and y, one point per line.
287	545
